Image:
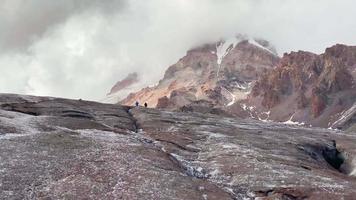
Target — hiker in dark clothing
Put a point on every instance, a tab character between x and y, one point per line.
146	104
137	104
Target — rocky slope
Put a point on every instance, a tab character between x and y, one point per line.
220	73
66	149
347	120
244	77
307	88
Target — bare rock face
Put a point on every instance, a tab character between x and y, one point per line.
67	149
348	120
221	73
307	88
255	160
54	148
286	78
318	103
163	102
203	107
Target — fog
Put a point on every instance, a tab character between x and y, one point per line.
80	48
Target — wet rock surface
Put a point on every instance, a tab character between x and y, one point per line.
67	149
251	159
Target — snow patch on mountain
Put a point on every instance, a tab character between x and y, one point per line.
223	48
233	100
345	115
254	42
291	122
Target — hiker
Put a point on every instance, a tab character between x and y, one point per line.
137	104
146	105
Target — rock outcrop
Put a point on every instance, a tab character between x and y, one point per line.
347	121
308	88
54	148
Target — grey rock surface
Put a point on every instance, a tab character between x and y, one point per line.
53	148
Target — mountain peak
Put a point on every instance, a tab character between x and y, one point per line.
246	78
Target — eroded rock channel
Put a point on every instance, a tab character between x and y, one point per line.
67	149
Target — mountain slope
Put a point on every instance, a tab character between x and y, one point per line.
307	88
244	77
220	73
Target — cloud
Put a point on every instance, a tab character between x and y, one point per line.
24	21
80	48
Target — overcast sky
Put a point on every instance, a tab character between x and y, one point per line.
80	48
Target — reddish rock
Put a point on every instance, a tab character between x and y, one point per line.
270	99
302	76
318	103
163	102
302	100
203	75
252	81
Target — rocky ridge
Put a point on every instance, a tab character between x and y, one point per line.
245	78
220	73
68	149
307	88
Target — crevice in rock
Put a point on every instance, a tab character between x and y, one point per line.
329	153
23	110
264	193
305	167
179	146
185	167
339	160
334	157
76	114
134	120
188	168
282	193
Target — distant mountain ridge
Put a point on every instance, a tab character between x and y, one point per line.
220	73
245	77
308	88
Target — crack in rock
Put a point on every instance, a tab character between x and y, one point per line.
189	169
